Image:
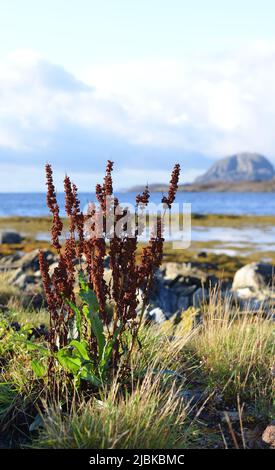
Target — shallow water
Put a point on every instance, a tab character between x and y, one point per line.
229	241
236	236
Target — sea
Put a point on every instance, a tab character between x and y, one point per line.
34	204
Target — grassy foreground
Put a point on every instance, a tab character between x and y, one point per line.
203	387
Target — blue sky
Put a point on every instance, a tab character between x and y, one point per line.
72	32
146	83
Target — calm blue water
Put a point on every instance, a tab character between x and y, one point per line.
202	203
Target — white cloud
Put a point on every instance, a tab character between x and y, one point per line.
210	105
37	98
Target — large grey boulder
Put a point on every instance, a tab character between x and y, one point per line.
254	276
10	237
185	273
9	262
26	269
30	261
24	280
252	288
178	286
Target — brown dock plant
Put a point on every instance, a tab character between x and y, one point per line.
86	251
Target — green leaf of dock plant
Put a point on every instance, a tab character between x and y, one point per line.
97	328
38	368
76	363
88	375
107	352
31	346
87	295
77	312
82	349
68	361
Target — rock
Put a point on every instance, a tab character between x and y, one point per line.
52	268
29	261
15	326
32	299
192	397
15	275
202	254
200	296
40	331
26	268
232	416
188	275
4	308
157	315
186	320
183	302
179	286
269	435
24	280
9	262
240	167
10	237
253	437
170	299
254	276
252	288
163	297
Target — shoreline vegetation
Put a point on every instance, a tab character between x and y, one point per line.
202	387
86	367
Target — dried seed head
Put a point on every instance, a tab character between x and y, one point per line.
57	225
173	186
108	182
51	195
144	197
69	197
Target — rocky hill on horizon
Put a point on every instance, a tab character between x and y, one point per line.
242	172
244	166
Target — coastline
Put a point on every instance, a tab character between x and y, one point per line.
220	243
222	187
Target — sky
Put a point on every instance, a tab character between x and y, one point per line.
146	83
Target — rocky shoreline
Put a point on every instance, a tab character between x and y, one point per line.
178	286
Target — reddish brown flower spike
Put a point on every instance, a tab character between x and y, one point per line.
57	225
69	197
173	186
144	197
51	195
108	183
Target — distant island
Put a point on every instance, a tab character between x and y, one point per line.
242	172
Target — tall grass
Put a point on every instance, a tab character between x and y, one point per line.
7	292
235	351
229	353
147	416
